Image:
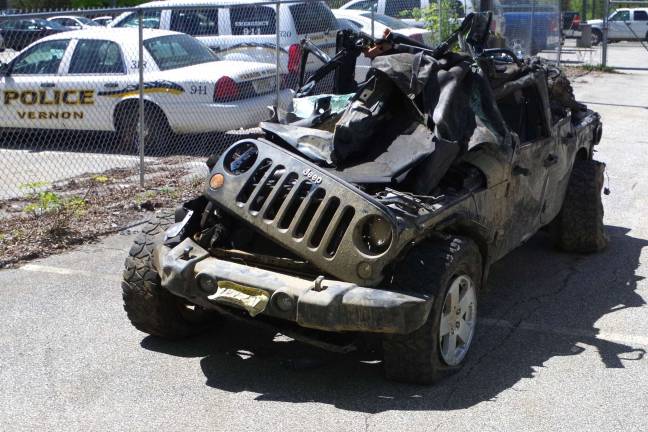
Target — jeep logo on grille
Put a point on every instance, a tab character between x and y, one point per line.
312	176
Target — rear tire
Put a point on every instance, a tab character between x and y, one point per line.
441	268
579	225
150	308
157	132
597	36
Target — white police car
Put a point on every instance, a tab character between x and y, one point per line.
88	80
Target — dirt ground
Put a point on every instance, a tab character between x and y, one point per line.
51	218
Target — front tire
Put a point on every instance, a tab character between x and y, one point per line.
449	269
579	225
150	308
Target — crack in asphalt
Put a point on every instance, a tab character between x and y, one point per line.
366	422
571	271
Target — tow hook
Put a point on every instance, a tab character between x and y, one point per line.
317	284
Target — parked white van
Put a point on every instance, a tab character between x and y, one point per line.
221	26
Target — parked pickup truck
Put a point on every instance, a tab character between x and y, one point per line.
623	24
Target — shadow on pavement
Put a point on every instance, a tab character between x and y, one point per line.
532	285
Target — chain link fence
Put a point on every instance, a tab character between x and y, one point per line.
606	35
85	98
80	98
532	28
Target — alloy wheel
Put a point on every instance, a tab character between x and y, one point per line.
458	319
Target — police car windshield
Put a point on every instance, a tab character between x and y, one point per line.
177	51
48	24
86	21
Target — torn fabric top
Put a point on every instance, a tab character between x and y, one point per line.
452	93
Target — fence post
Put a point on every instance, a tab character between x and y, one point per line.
439	6
278	59
560	33
606	12
532	32
140	124
375	5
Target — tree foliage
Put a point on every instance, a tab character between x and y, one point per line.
594	8
440	21
39	4
104	3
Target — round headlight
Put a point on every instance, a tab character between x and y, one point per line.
240	158
375	235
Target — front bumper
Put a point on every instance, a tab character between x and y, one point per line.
189	271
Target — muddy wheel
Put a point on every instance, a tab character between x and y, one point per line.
450	270
579	225
150	308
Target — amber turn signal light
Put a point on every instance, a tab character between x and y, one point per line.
216	181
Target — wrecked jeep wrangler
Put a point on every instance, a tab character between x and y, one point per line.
376	211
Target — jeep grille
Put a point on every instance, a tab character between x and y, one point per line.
302	207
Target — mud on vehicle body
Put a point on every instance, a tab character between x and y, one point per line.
382	214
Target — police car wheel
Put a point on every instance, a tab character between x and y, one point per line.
157	133
597	36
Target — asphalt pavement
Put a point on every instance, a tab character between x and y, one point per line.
561	342
623	55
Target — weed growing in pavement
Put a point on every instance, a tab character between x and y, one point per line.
171	192
75	206
144	196
44	201
61	209
597	68
100	179
33	187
